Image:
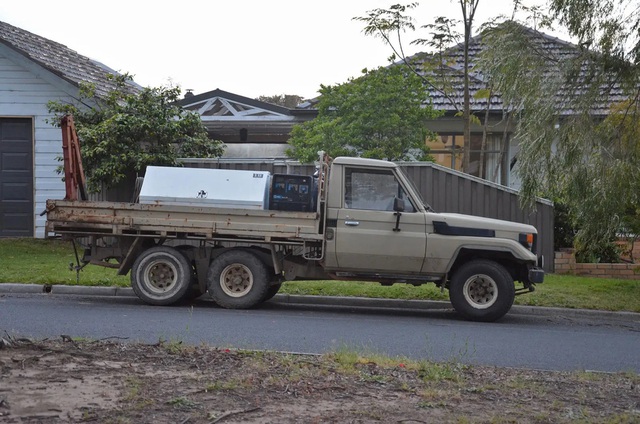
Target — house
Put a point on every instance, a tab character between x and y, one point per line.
33	71
501	151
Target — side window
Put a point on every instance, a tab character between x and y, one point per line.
373	190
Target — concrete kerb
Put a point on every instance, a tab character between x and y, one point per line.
92	291
63	289
362	302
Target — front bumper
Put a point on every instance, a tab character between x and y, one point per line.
536	275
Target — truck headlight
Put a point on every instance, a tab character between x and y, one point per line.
527	240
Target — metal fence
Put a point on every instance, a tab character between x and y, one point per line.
447	190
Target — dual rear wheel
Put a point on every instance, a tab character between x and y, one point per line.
237	279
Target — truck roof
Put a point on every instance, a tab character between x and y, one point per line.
344	160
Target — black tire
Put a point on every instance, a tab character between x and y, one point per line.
482	290
194	291
161	275
237	279
272	291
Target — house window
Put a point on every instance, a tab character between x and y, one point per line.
447	151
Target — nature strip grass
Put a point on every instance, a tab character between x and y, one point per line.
47	262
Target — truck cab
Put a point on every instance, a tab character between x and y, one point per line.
378	228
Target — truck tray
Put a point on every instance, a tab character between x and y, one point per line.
133	219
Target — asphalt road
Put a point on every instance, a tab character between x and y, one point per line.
537	338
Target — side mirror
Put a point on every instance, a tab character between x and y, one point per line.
398	204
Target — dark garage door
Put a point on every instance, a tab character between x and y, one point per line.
16	177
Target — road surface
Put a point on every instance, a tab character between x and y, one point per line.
552	340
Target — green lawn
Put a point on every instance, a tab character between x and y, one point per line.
47	261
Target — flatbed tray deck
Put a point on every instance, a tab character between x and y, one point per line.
86	218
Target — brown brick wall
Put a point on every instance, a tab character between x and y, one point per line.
565	263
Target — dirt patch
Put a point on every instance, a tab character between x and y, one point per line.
110	382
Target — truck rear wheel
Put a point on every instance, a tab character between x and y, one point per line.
161	275
482	290
237	279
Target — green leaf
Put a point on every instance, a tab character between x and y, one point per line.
483	93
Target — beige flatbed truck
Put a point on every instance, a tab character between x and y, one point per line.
368	223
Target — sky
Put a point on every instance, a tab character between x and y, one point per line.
247	47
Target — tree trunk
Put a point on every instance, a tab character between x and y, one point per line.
503	150
466	114
468	12
483	146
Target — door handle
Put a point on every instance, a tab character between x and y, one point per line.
352	223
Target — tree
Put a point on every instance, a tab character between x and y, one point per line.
379	115
468	8
285	100
578	116
390	24
126	131
610	27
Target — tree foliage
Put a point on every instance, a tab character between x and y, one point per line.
578	117
610	27
125	131
285	100
379	115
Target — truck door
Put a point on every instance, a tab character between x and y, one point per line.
366	236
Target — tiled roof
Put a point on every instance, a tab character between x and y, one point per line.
59	59
552	49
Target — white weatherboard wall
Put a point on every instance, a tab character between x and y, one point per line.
25	89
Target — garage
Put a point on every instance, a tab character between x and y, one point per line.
16	177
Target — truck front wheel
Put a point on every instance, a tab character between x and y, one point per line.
237	279
161	276
482	290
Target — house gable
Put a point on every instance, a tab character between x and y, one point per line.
219	104
250	128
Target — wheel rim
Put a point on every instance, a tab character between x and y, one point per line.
480	291
236	280
160	276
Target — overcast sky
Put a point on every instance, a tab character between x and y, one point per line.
247	47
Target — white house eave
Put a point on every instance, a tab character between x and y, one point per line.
226	108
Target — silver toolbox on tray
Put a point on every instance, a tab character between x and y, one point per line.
206	187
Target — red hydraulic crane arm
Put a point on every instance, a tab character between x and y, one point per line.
74	179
